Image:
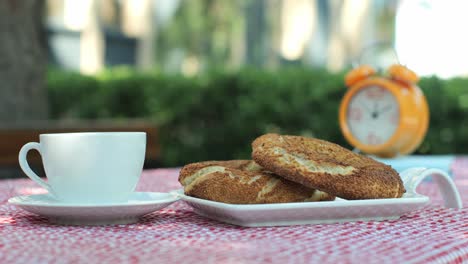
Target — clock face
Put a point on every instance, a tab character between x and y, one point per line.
373	115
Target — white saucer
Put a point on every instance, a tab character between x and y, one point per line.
139	204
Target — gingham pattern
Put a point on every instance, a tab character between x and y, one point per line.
177	235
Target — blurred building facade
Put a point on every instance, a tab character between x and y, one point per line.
191	36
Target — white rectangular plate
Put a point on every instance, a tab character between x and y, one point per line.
338	211
284	214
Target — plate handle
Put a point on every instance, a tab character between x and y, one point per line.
414	176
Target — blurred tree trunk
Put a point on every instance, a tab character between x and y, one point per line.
256	30
22	61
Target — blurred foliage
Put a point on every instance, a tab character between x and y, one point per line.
205	29
218	114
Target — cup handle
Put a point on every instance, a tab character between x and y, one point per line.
22	157
414	176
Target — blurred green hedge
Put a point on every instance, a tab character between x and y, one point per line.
217	115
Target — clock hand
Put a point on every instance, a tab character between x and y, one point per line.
385	109
367	108
376	107
375	112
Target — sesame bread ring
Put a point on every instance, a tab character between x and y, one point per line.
327	167
243	182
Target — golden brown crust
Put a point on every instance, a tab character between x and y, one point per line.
242	182
247	165
327	167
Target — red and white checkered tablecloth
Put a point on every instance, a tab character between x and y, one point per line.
177	235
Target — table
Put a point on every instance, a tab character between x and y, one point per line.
177	235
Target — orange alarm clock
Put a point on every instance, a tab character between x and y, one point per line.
384	116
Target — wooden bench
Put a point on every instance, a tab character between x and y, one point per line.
14	136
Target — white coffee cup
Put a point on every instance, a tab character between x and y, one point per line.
93	167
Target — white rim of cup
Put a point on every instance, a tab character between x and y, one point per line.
93	133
